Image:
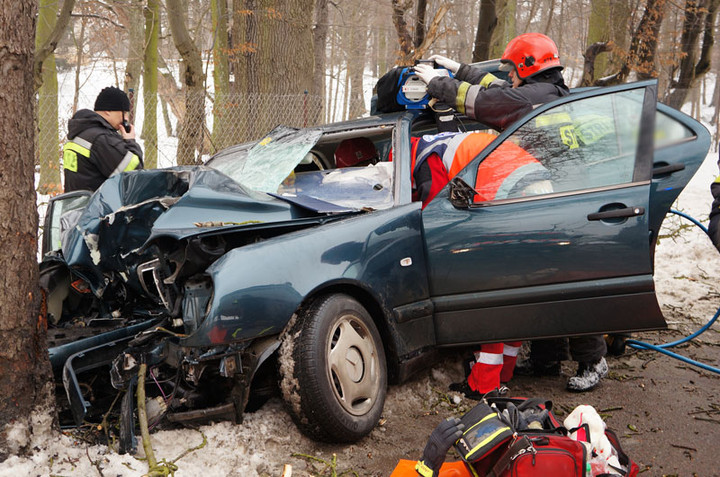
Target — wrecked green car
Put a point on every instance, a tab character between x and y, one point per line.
270	270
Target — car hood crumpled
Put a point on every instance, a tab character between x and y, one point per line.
130	209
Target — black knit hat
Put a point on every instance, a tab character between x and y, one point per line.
112	99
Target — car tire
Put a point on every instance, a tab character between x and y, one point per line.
333	376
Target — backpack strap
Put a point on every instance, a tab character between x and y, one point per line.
520	445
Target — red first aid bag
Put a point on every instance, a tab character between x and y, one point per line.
542	454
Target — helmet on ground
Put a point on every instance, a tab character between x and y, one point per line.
358	151
529	54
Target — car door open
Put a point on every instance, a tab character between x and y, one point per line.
559	245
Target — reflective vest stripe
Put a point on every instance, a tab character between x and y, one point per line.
552	119
509	350
487	80
128	163
489	358
70	151
460	98
467	149
455	150
470	96
82	142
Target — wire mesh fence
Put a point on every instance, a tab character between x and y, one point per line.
173	129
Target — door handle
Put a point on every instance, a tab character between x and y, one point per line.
667	169
617	213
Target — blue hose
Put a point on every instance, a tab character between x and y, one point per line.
662	348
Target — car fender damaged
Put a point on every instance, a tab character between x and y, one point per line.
261	285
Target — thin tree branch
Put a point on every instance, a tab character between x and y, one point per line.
42	53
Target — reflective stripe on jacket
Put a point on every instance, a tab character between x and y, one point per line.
71	150
95	151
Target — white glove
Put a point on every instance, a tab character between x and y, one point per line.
452	65
426	73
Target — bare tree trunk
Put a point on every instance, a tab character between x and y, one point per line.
703	64
150	82
346	87
404	39
620	12
486	25
356	65
131	16
26	387
420	12
716	114
47	119
320	34
221	75
79	46
192	128
548	23
598	32
506	27
48	47
693	25
643	46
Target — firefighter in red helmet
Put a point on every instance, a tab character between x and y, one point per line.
534	68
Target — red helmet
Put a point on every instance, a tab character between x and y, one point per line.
530	53
358	151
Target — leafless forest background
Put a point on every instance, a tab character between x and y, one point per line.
212	73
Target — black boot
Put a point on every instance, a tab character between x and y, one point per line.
531	367
464	388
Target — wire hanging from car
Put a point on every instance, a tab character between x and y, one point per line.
640	345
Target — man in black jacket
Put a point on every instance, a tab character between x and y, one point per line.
101	143
533	65
714	226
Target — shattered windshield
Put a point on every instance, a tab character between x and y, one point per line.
264	166
278	163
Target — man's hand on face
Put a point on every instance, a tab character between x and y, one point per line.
127	134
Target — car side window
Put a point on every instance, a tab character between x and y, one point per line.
669	131
580	145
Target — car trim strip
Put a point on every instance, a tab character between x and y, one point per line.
560	194
542	293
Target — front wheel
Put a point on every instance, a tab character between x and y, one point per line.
332	370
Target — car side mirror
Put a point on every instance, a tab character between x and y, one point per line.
57	207
461	194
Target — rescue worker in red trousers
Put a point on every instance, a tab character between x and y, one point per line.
533	65
101	143
509	169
